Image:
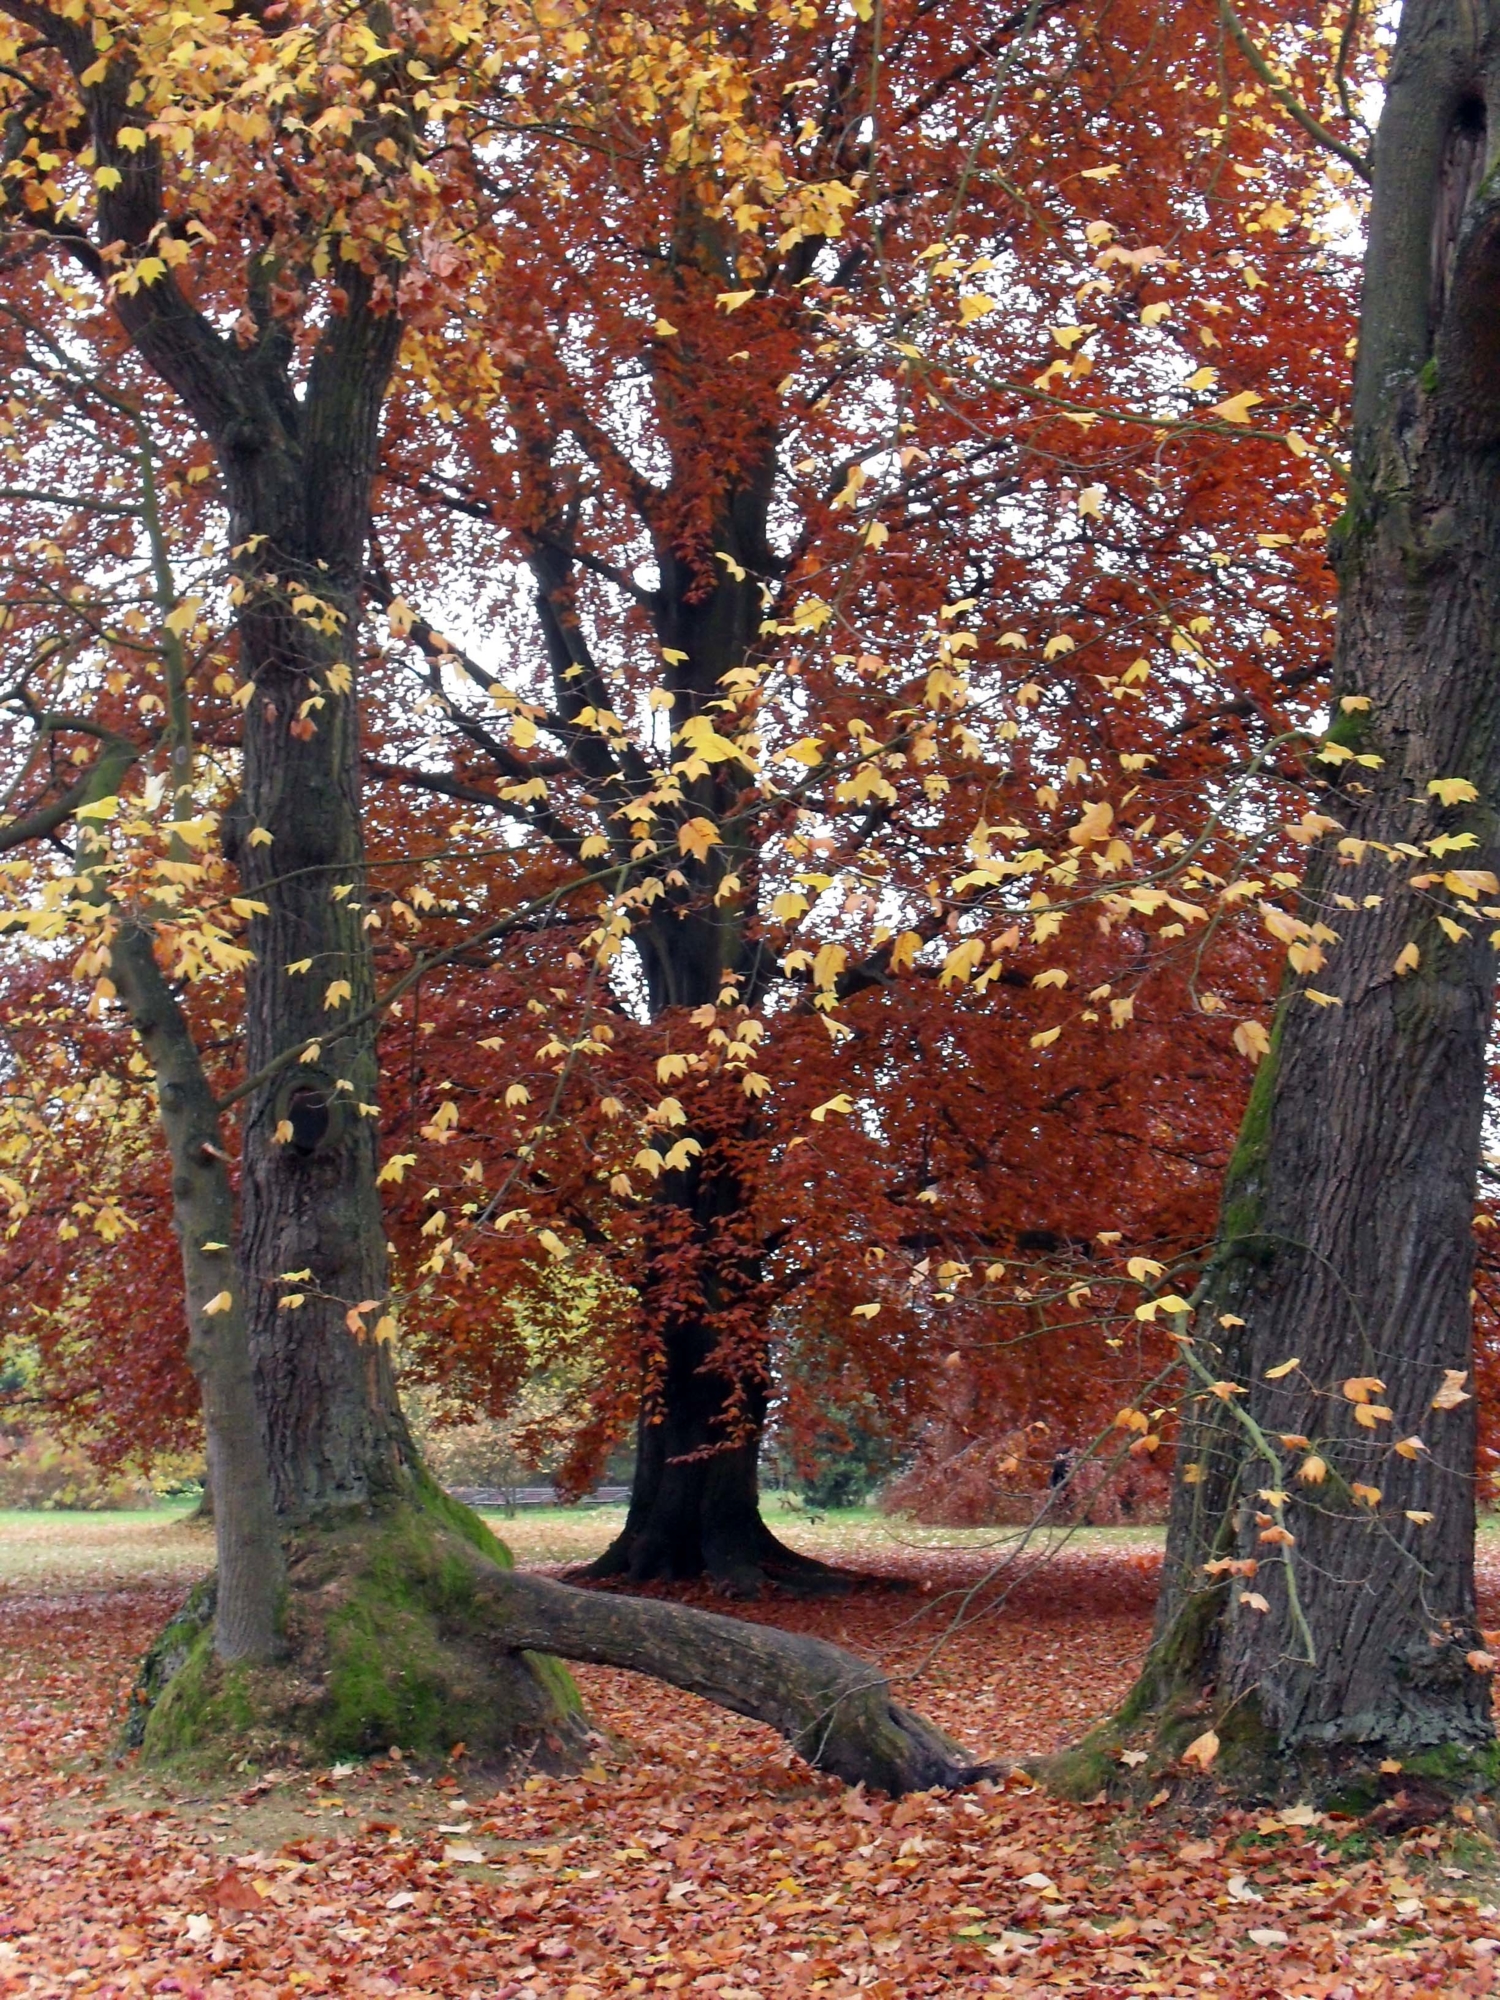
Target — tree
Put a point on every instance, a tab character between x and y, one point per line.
718	571
1318	1618
308	1453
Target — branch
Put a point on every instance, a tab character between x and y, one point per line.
1288	99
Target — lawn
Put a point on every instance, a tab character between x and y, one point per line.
696	1855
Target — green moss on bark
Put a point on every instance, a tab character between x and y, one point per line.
387	1642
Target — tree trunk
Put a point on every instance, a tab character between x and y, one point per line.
310	1200
247	1541
1318	1604
695	1497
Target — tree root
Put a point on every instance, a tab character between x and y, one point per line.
832	1707
406	1627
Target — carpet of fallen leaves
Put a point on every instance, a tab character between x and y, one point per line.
696	1855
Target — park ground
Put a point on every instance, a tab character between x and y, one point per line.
696	1855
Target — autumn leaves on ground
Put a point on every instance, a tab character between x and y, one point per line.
696	1854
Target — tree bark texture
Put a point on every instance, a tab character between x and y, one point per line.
295	446
310	1202
1346	1231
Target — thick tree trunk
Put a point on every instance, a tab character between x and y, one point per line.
695	1498
1318	1605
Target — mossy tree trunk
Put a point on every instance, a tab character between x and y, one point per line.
1318	1602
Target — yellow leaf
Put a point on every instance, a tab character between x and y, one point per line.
842	1104
1419	1515
754	1084
1046	1038
1409	1447
552	1243
696	837
1252	1041
1453	1392
1360	1388
1369	1496
974	305
1202	1750
663	329
183	616
131	137
107	177
219	1303
1202	378
1156	312
1452	791
1236	409
864	1312
396	1166
732	301
1097	820
259	836
1283	1369
338	992
100	808
1313	1470
1321	999
516	1093
1408	959
681	1157
282	1136
788	906
1169	1302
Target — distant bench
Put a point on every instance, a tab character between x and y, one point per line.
537	1496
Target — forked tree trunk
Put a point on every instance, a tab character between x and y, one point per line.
1344	1634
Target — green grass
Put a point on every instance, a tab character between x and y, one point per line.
161	1545
845	1535
157	1545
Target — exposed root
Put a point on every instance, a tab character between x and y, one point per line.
834	1708
410	1628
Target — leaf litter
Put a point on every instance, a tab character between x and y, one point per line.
696	1855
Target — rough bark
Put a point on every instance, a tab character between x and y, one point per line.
1345	1237
310	1201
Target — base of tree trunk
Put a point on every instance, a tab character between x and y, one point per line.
410	1627
1389	1776
674	1544
386	1641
